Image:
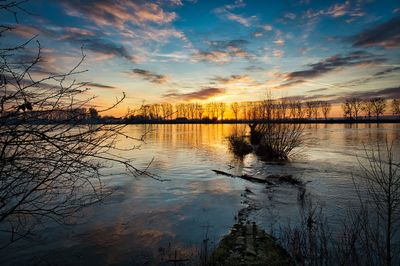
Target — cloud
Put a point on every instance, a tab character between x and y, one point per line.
289	15
98	85
219	57
388	93
105	47
79	37
387	71
289	84
279	41
338	10
236	4
119	13
267	27
239	19
386	35
202	94
232	79
225	12
222	52
318	90
278	53
335	62
330	64
150	76
364	80
226	44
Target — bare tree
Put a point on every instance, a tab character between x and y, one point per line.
347	111
49	168
326	108
235	109
367	108
396	107
378	106
381	176
355	107
222	108
309	110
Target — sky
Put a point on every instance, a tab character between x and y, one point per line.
201	50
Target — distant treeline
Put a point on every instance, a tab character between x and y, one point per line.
354	109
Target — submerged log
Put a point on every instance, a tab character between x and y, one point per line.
244	176
280	178
223	173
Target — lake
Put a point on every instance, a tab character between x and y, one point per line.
146	221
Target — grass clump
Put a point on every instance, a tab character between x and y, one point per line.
279	141
239	145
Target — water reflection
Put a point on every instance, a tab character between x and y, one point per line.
145	220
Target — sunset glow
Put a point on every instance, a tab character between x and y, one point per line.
203	51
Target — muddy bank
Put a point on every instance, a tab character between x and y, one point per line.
247	244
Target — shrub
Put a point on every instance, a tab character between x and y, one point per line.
278	141
239	145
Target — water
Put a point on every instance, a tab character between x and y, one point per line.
146	221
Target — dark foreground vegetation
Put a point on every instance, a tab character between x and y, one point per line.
369	234
247	244
48	171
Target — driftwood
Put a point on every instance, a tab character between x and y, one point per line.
245	176
280	178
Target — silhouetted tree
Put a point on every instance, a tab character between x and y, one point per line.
326	108
378	106
355	106
235	109
93	114
47	170
222	108
381	175
367	108
396	107
347	111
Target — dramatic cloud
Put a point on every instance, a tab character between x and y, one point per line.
233	79
202	94
357	58
219	57
319	90
98	85
364	80
335	62
79	37
150	76
118	13
387	71
222	52
386	35
388	93
289	84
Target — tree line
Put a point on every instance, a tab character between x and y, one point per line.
353	108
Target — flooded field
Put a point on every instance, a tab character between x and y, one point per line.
146	221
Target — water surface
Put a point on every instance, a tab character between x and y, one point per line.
145	221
